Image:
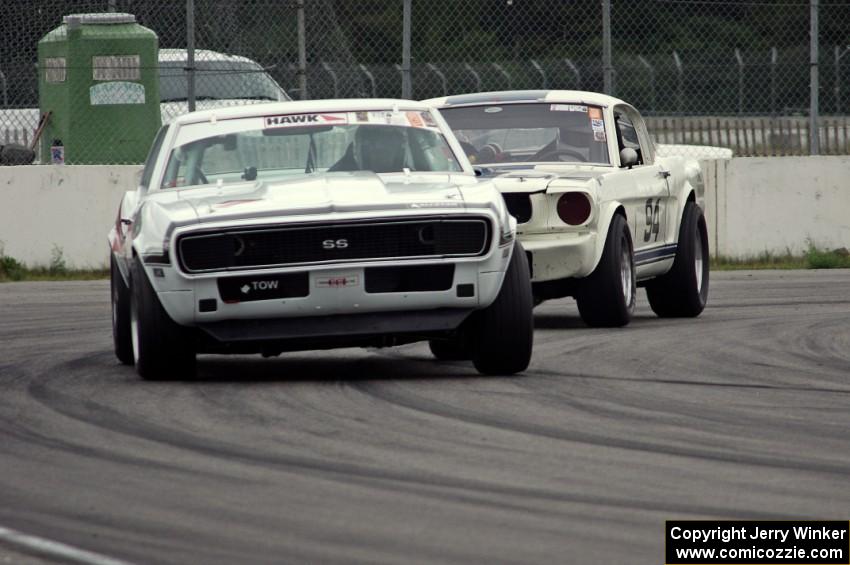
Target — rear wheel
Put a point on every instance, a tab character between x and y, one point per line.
121	334
683	291
502	334
163	349
606	298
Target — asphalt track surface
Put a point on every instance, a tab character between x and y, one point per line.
386	456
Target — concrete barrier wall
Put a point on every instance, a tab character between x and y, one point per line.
753	205
69	207
777	205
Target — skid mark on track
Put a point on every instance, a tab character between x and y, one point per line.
436	408
446	487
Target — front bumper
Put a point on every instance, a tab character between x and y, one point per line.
555	256
348	326
198	302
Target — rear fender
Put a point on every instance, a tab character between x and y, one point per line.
686	184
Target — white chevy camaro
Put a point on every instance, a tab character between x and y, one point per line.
308	225
599	211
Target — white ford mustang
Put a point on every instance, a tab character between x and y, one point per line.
599	211
305	225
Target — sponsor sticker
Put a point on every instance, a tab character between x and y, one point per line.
57	154
599	135
594	113
361	117
389	118
597	125
415	119
429	120
337	281
247	289
301	120
567	108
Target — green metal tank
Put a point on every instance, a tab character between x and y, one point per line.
98	79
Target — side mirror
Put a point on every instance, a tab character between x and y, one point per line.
628	157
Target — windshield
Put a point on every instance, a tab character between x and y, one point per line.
217	80
284	146
530	133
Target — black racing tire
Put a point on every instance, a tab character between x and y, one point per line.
683	291
453	349
121	335
163	350
502	335
606	298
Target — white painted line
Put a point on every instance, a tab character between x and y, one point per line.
54	548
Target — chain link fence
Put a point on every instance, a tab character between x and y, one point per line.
731	74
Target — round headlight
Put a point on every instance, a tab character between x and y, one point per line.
574	208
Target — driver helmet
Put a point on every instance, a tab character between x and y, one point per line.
379	149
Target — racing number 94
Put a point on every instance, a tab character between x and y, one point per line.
653	220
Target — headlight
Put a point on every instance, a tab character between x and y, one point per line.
574	208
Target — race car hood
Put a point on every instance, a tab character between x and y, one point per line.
538	180
324	193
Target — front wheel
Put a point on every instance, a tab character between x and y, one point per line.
606	297
163	349
502	335
683	291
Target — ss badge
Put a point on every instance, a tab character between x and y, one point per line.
335	244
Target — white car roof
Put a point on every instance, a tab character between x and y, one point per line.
517	96
302	107
180	56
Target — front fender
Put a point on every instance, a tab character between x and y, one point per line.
606	215
119	237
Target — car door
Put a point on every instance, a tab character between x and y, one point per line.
649	192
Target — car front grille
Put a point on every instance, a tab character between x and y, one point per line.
519	206
301	244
